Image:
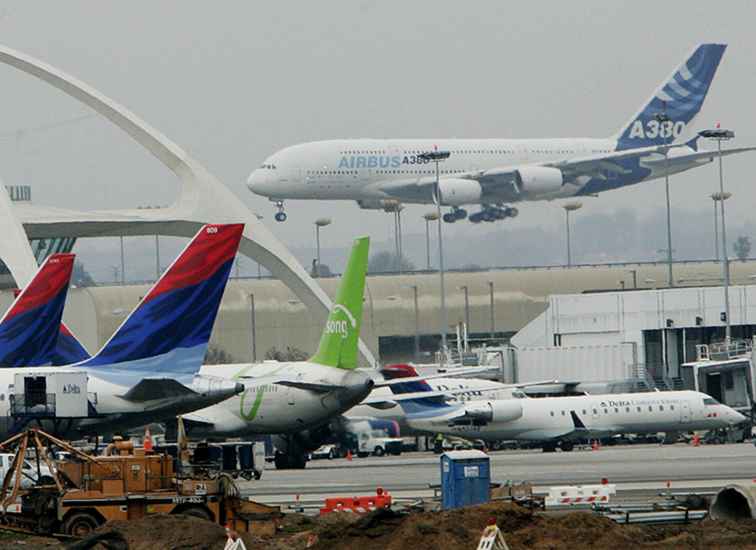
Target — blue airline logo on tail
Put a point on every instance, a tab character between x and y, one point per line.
679	100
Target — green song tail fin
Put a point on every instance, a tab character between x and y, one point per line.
338	344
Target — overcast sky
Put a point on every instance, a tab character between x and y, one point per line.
233	82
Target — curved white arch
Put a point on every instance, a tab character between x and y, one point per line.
202	197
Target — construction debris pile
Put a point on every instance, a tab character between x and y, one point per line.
452	530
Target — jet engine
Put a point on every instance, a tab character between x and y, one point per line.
457	191
503	410
536	181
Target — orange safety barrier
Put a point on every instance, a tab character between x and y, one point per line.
357	505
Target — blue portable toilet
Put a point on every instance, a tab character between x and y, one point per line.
465	478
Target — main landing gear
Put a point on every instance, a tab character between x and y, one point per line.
280	215
494	213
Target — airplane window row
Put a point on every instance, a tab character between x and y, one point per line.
617	410
268	166
363	152
330	172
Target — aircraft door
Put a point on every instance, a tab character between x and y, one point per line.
684	412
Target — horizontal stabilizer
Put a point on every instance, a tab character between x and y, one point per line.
150	389
388	402
448	374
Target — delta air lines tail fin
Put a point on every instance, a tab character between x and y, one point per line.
68	349
338	344
680	97
169	331
29	329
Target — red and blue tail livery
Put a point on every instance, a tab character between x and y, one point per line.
169	331
29	329
68	349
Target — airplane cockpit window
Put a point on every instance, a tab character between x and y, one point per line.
710	401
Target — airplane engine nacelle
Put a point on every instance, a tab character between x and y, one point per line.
538	181
457	192
505	410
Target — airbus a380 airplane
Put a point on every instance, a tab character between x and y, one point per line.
495	173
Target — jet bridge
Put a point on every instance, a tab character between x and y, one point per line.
726	372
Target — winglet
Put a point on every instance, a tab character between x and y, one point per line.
340	338
576	421
29	329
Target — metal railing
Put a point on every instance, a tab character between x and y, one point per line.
21	405
719	351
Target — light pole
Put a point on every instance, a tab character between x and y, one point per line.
320	222
719	135
491	305
467	306
253	326
570	207
123	264
437	157
428	217
717	197
417	322
157	257
665	130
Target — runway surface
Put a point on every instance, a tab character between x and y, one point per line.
640	469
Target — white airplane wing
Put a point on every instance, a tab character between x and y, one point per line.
505	182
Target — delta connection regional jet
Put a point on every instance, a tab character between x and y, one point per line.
495	173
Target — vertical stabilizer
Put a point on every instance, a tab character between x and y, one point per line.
29	329
680	97
338	344
169	331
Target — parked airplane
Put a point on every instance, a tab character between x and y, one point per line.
496	173
562	420
28	329
296	400
146	372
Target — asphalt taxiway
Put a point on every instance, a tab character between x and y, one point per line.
635	468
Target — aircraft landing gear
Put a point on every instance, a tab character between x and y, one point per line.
494	213
455	214
280	215
293	457
566	446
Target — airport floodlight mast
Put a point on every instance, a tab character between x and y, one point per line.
665	125
570	207
437	157
320	222
428	217
717	197
719	135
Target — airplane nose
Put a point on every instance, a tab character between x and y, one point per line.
736	417
257	182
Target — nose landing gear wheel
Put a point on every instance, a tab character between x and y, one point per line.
449	217
280	216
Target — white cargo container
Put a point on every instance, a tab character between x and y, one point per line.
50	394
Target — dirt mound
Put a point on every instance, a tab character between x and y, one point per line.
169	532
461	529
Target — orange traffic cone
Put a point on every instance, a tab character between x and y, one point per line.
349	454
147	441
595	445
696	440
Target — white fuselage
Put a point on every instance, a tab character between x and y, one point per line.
266	407
458	389
550	418
371	170
113	412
